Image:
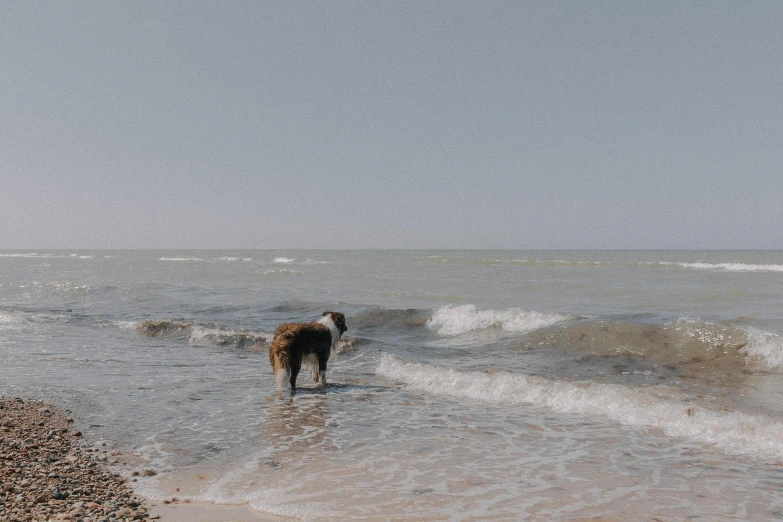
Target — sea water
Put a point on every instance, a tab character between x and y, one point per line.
471	385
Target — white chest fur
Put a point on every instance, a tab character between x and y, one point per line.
328	322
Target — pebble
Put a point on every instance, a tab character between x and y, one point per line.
46	474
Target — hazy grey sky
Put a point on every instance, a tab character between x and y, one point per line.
391	124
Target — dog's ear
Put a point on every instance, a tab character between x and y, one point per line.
325	313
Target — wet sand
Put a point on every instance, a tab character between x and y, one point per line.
206	512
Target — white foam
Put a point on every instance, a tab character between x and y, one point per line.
10	321
729	267
19	254
284	260
766	348
18	320
130	326
280	271
205	335
35	255
230	259
309	261
180	259
732	432
453	320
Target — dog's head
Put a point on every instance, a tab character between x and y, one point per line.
337	318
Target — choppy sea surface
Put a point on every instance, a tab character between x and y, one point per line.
471	385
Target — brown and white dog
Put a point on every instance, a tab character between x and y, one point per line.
308	343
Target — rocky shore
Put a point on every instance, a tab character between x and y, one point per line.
46	473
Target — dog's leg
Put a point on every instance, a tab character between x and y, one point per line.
295	367
320	380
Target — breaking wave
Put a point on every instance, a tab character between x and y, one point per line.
696	347
451	320
731	431
765	348
199	334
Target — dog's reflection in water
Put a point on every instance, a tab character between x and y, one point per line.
297	427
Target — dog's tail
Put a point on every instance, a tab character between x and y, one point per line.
283	377
279	357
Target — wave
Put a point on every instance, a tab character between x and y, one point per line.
731	431
562	263
206	335
224	259
451	320
229	259
271	271
308	261
697	348
488	262
16	320
35	255
728	267
437	259
197	334
390	318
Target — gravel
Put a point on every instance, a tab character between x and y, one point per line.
47	473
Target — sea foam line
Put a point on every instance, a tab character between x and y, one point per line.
180	259
453	320
733	432
308	261
728	267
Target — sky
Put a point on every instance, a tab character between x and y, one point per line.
232	125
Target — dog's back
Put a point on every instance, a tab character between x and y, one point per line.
292	343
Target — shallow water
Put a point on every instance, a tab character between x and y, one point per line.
470	385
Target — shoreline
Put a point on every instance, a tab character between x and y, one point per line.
207	512
47	473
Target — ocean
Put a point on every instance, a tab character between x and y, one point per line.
470	385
